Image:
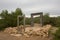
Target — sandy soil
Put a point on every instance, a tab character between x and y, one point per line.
5	36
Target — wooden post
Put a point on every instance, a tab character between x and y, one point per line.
41	20
20	28
32	23
17	21
24	21
18	24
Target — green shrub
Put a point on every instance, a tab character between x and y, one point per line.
2	24
9	19
57	35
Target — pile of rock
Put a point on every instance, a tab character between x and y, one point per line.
30	31
11	30
41	31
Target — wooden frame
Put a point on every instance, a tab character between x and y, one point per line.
41	18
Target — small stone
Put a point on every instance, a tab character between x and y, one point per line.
17	35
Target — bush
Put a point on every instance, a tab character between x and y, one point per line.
53	21
58	21
28	21
57	35
2	24
46	19
9	19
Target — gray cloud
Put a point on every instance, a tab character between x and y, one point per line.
30	6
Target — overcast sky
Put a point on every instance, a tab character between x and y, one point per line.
32	6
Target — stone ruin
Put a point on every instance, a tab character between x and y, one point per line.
32	21
41	18
30	31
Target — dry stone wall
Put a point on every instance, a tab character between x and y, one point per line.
30	31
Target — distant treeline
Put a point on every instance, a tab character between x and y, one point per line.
10	19
54	21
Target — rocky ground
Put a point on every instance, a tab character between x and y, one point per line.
5	36
11	34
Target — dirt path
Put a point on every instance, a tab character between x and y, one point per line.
4	36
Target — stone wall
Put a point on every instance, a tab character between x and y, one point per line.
30	31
